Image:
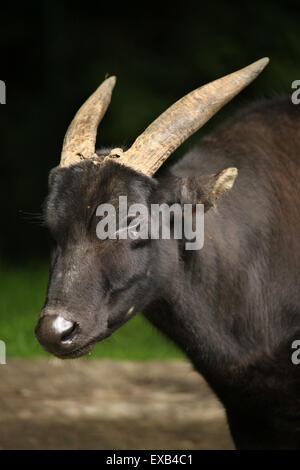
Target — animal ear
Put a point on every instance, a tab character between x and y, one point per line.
223	182
207	189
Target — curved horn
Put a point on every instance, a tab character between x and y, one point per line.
183	119
80	139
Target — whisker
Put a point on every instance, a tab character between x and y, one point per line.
33	217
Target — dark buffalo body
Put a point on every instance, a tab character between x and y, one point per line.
234	306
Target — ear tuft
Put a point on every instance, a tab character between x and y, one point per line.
206	189
224	181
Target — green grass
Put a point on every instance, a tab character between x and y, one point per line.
22	295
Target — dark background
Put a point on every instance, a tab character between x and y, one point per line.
55	54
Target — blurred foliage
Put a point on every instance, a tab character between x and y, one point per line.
23	294
54	54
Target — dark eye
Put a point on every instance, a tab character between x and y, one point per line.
138	228
125	223
139	243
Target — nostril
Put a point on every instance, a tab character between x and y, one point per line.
56	334
64	329
69	335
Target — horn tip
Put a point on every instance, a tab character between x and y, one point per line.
254	69
112	80
264	60
261	63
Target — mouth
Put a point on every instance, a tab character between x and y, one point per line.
78	352
87	348
74	343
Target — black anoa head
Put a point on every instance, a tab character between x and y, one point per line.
99	282
96	283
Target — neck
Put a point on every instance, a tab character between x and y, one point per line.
200	310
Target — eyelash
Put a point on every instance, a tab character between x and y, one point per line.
139	243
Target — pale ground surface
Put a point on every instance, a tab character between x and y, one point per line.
104	404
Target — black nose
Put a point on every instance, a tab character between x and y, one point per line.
55	333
